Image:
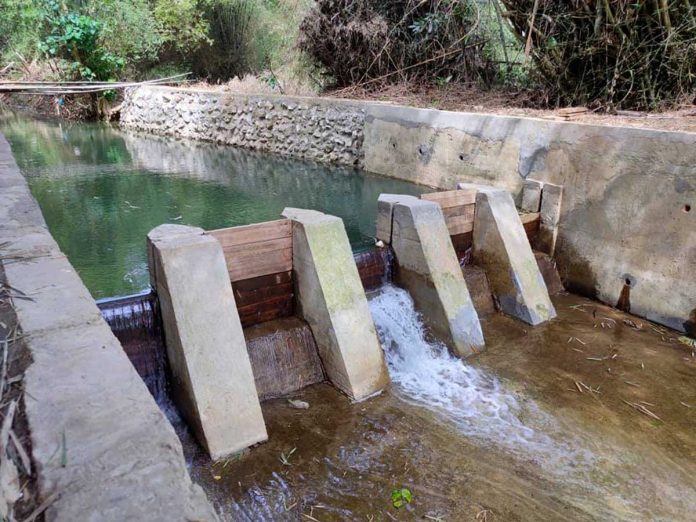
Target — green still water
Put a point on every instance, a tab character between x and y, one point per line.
102	190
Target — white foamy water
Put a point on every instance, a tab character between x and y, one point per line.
479	405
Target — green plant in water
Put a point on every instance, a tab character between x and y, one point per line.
401	497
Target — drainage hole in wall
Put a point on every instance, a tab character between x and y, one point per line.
627	281
461	157
420	150
687	208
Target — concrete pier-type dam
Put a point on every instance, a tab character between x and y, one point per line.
278	338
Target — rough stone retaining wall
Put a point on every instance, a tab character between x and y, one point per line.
312	128
99	440
626	224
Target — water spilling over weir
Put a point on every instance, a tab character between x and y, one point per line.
533	427
275	347
476	402
136	322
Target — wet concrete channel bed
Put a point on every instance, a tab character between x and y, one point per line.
603	460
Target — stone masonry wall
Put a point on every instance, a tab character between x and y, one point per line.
316	129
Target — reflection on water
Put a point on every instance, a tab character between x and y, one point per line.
102	190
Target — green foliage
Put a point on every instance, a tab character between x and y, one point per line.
19	23
130	29
401	497
249	37
103	39
76	39
183	27
232	51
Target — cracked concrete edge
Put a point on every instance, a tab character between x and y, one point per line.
119	458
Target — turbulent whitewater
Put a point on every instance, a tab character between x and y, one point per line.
478	403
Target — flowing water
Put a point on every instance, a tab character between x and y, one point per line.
102	190
507	435
485	409
504	435
425	373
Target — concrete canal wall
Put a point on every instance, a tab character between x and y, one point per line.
99	440
626	225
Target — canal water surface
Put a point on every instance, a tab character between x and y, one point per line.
102	190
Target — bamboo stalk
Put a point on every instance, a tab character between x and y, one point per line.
664	9
528	45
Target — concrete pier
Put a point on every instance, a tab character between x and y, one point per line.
332	300
427	266
502	248
213	383
531	195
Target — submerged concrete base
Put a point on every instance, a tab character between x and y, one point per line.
332	300
502	248
213	383
427	266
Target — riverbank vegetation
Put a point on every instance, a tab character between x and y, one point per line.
607	56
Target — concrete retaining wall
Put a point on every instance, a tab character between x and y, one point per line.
98	439
624	222
624	219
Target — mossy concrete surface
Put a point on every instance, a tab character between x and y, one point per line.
212	379
102	448
332	300
427	266
502	248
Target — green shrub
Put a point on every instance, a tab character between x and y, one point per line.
130	29
232	29
76	38
182	26
19	28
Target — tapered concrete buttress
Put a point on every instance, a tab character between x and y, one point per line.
213	383
501	247
332	300
428	268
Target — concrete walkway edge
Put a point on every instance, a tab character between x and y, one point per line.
119	457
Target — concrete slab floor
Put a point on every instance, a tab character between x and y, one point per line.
591	456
